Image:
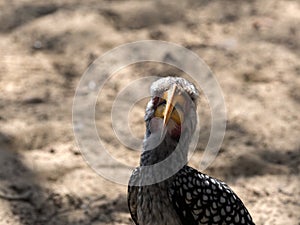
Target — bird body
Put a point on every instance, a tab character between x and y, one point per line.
154	199
174	193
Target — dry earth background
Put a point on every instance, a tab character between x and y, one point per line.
252	47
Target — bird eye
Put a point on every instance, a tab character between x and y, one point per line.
162	102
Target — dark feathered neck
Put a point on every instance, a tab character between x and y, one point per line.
154	153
